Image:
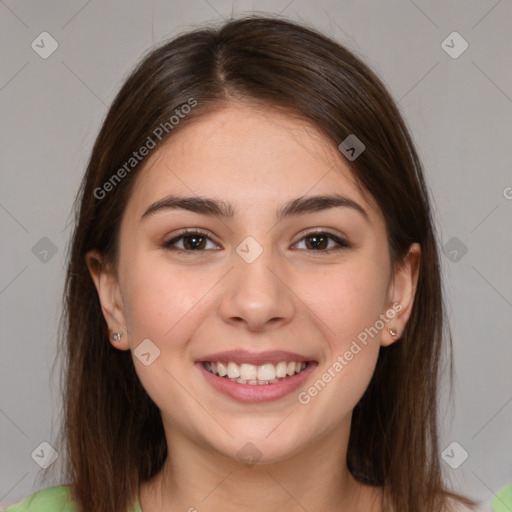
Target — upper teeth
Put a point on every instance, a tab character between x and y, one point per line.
251	372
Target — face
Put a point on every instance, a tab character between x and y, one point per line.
266	272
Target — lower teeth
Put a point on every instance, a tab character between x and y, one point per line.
254	382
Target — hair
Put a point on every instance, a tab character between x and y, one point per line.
111	445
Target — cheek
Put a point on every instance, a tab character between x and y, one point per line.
348	301
164	306
347	298
160	300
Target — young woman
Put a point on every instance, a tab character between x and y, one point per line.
254	312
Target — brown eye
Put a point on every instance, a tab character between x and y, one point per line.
193	242
319	242
190	241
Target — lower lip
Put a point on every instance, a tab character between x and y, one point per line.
257	393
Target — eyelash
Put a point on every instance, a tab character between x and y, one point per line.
342	244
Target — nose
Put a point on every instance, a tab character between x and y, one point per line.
256	295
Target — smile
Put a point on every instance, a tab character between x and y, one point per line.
253	383
254	375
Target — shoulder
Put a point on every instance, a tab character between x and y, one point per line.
51	499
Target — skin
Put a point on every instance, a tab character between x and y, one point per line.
292	297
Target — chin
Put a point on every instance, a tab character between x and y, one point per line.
258	450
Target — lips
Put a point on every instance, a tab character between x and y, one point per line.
256	390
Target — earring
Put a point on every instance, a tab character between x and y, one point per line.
393	332
117	336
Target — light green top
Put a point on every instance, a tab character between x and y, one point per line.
502	502
53	499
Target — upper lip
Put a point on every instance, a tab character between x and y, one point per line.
256	358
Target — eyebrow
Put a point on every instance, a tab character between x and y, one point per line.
222	209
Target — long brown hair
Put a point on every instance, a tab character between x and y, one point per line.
112	433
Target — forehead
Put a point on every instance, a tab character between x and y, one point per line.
253	157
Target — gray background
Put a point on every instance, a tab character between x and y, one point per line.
459	111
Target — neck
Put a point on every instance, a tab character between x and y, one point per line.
195	479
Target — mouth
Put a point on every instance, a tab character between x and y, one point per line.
255	375
253	378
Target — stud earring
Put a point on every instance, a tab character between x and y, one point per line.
117	336
393	332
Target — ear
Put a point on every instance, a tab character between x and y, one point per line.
107	286
401	293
